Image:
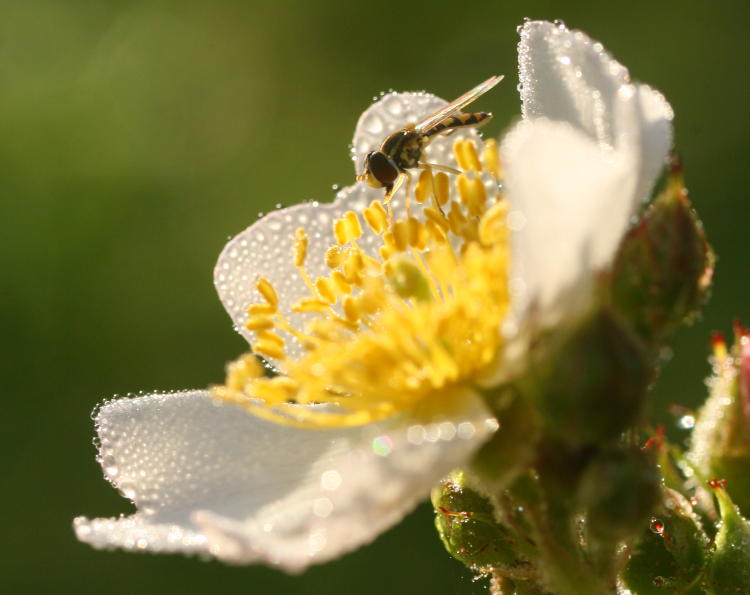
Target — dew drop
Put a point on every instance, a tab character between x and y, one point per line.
686	422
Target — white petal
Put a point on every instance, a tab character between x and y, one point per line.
648	118
570	202
568	77
265	248
210	478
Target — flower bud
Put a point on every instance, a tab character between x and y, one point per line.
720	443
729	571
619	490
671	554
466	523
663	270
588	381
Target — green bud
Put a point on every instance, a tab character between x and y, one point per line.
671	554
720	442
466	523
729	571
588	381
619	491
663	270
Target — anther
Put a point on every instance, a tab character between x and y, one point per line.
491	157
334	256
351	309
456	218
340	232
437	218
423	190
353	267
492	226
271	338
471	157
435	232
310	304
400	231
442	188
268	292
269	349
243	370
257	323
260	309
300	247
472	193
340	282
325	289
458	153
353	226
376	217
414	232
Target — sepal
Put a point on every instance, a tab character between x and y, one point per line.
672	552
664	266
467	525
720	443
729	571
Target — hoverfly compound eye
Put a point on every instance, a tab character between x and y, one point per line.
381	168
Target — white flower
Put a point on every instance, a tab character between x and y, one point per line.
209	478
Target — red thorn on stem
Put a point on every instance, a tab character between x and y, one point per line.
657	440
449	512
717	338
740	330
717	484
675	164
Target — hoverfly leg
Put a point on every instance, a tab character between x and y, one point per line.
408	189
445	168
393	188
430	167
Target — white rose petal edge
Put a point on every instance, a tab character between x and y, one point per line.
208	478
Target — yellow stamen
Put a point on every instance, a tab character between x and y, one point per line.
403	333
491	158
423	190
258	323
334	257
268	292
442	188
326	290
300	247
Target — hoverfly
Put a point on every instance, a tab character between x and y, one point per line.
402	150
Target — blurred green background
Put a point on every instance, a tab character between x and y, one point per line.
135	136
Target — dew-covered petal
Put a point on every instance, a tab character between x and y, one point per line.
644	122
570	202
566	76
265	248
209	478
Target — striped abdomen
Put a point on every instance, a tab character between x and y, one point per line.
459	121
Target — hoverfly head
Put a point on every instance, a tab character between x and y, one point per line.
380	170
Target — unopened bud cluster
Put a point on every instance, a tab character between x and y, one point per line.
576	494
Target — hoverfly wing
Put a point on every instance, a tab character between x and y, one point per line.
457	105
